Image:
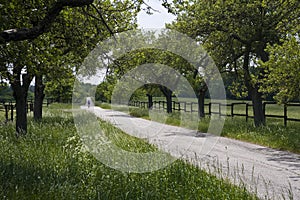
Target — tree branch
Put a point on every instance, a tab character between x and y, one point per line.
44	25
103	20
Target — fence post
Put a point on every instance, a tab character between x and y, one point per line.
191	107
247	105
31	106
6	112
209	108
184	105
285	118
232	109
220	110
179	107
12	112
264	110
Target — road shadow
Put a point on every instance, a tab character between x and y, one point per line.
290	159
120	115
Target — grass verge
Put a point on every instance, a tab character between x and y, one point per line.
50	163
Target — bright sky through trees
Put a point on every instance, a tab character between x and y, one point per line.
157	19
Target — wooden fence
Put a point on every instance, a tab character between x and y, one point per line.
8	106
218	108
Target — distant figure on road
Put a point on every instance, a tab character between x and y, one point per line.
89	103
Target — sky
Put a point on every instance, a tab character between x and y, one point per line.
157	19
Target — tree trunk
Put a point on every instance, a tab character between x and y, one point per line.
150	101
38	97
201	99
20	92
258	112
256	97
169	102
168	94
21	111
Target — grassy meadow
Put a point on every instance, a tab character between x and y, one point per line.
50	162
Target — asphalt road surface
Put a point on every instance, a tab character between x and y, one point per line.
270	173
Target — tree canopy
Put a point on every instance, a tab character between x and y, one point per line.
37	38
236	33
283	71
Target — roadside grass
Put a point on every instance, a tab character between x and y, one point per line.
103	105
2	116
273	135
59	106
51	163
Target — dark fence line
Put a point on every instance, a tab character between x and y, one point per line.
8	106
46	101
193	107
9	109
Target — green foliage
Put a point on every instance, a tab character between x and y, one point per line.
236	34
51	38
232	30
283	71
60	89
5	92
51	163
129	61
104	90
103	105
139	112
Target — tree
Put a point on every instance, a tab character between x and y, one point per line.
283	71
163	52
26	23
76	33
148	56
104	89
14	61
236	33
60	87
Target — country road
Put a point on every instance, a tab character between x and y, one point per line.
270	173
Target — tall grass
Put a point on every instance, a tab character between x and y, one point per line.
50	163
273	135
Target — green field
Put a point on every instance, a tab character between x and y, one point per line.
50	162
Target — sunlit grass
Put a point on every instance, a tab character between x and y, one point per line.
50	163
273	135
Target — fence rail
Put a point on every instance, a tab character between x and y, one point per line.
210	108
8	106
